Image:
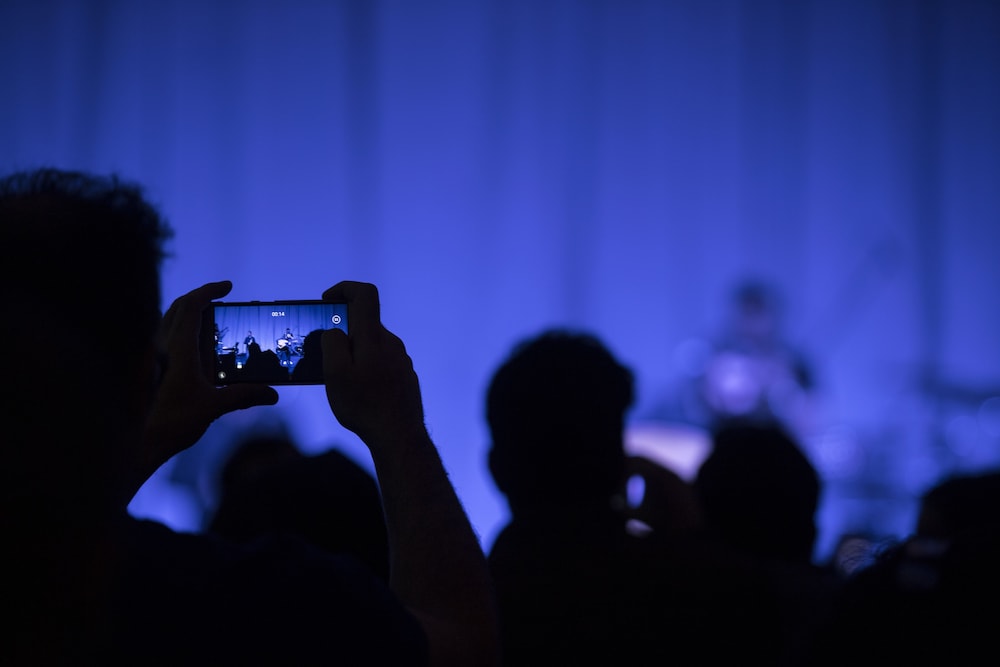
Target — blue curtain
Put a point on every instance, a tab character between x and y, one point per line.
499	166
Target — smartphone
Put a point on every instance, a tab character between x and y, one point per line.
268	342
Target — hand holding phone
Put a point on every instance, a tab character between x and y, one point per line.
186	402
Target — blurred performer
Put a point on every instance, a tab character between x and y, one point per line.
751	372
747	372
249	339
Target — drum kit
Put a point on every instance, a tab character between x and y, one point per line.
220	347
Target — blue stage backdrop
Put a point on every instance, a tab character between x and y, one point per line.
498	167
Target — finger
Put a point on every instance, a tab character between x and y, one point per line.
337	358
243	396
363	316
199	297
186	319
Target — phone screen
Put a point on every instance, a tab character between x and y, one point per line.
269	342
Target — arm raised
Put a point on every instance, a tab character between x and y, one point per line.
437	567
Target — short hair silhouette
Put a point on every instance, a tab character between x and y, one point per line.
759	491
326	499
556	413
959	503
82	218
57	229
310	367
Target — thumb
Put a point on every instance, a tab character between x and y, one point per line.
243	396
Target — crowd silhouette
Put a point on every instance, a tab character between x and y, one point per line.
268	487
274	367
94	585
719	570
310	558
263	366
574	583
929	598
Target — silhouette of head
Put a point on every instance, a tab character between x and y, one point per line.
756	313
93	247
310	366
312	344
269	488
960	503
556	411
759	492
252	455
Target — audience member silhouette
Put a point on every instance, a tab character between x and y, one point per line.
930	598
759	492
959	503
574	584
88	583
263	366
309	367
759	495
268	487
250	455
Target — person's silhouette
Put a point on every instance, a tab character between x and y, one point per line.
309	367
958	503
759	494
929	598
326	499
90	584
263	366
574	584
